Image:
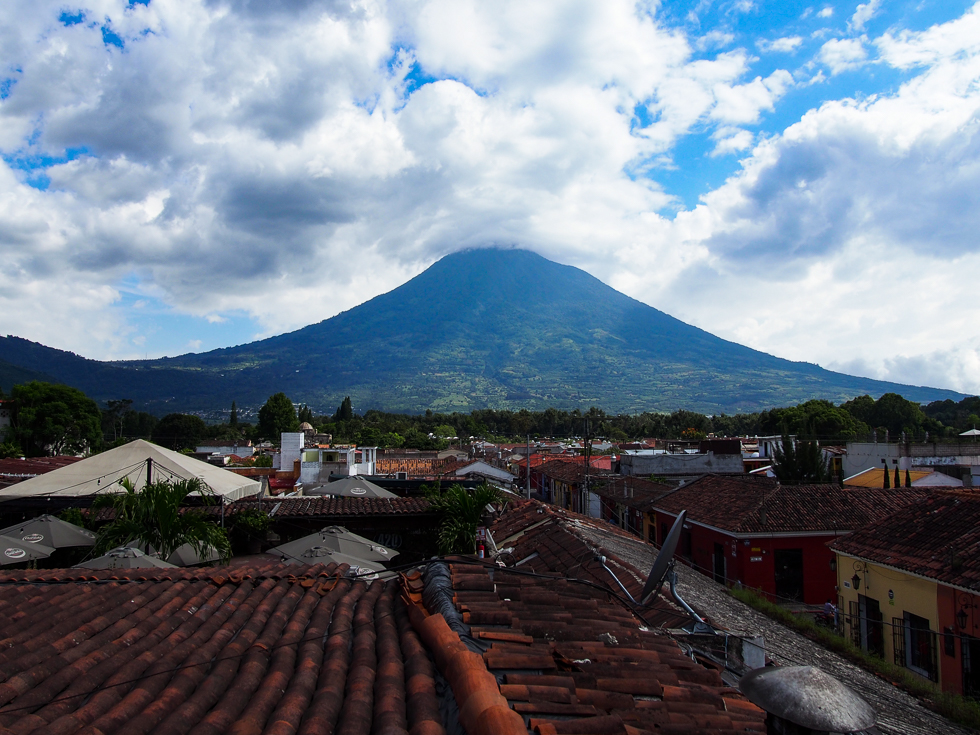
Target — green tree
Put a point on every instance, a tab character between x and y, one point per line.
113	417
886	483
345	412
179	431
891	412
155	516
54	419
9	450
461	511
306	414
908	479
444	431
250	526
276	417
800	463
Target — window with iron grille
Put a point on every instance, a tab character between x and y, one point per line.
854	620
920	646
898	640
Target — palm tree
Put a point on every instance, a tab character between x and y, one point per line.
154	517
461	513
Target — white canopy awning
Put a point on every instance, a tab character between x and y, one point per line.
101	473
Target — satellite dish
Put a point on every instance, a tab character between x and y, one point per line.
808	698
662	564
663	571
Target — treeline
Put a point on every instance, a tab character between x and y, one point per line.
56	419
858	419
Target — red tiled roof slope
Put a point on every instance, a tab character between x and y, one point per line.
937	537
202	653
35	465
545	540
573	661
316	506
735	503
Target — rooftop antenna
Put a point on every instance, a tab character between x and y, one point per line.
663	571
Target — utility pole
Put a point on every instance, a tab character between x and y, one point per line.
527	477
583	505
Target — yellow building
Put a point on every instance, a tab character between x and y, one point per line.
909	589
890	613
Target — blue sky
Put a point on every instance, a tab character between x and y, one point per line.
800	177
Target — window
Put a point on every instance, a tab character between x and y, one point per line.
872	626
971	666
915	645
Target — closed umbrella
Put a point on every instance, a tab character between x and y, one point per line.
337	539
125	557
50	531
14	551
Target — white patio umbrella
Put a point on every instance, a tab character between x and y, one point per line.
322	555
14	551
350	487
970	432
339	540
125	557
50	531
187	556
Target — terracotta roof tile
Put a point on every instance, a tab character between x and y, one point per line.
937	537
576	659
259	647
734	503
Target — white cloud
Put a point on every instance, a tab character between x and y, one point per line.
784	45
826	12
850	239
843	54
862	15
236	156
731	140
942	43
714	40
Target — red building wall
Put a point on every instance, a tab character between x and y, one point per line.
949	602
752	561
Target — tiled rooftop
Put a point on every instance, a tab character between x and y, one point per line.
34	466
735	503
571	652
316	507
543	539
286	650
937	537
259	647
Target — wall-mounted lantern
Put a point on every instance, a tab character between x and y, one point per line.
856	580
961	619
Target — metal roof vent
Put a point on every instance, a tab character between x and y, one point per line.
808	698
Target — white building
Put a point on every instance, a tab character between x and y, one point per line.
318	464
